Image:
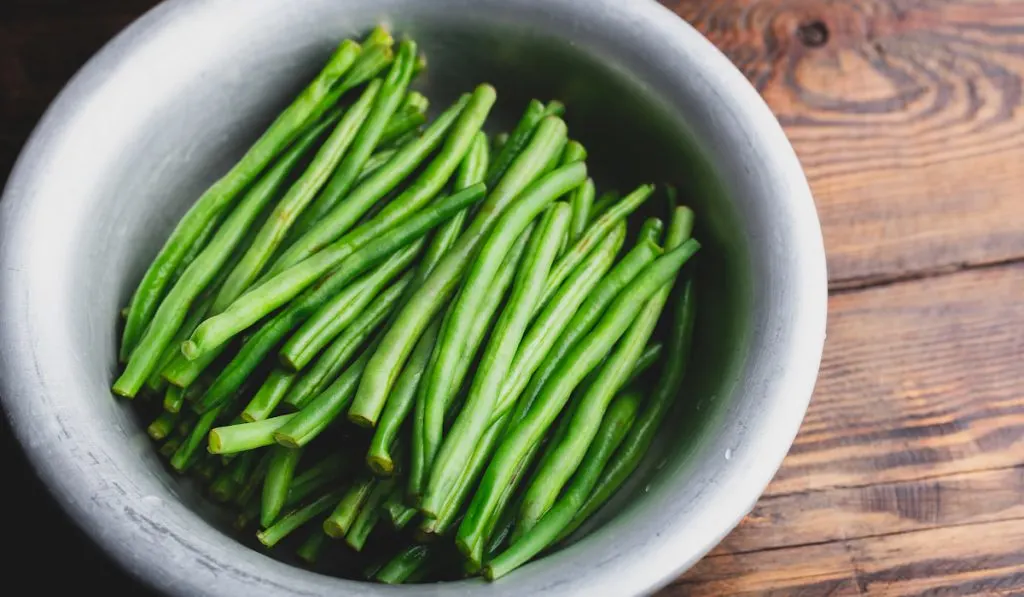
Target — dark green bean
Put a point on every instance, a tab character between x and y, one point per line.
275	485
293	520
626	459
173	399
309	551
162	426
578	363
400	568
369	515
614	426
348	506
473	421
306	108
601	205
436	290
183	457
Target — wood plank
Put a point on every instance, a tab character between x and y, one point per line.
984	558
852	513
918	380
905	115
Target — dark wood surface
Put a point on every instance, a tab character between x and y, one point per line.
908	475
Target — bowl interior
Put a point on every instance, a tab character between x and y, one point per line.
155	120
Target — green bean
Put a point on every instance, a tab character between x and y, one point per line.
335	357
269	395
472	422
247	493
404	565
288	125
169	447
398	514
223	488
275	486
174	310
336	222
636	444
573	152
242	467
582	202
246	436
186	421
499	142
309	551
369	515
338	313
183	457
433	293
301	193
586	418
293	520
402	398
451	345
594	233
340	521
584	319
606	200
645	361
579	361
415	101
400	125
205	469
162	426
549	323
651	230
614	426
482	320
520	138
370	134
320	476
325	407
375	162
173	399
251	306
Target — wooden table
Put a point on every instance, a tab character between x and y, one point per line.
908	475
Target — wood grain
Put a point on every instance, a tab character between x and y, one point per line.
905	114
916	430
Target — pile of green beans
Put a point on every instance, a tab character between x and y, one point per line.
437	350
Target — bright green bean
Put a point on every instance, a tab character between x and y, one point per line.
275	485
496	292
246	436
175	308
400	125
594	233
384	108
335	357
325	407
269	395
651	230
306	108
419	192
473	421
583	357
582	202
183	456
638	258
437	289
338	313
256	303
552	320
520	138
298	197
614	426
401	401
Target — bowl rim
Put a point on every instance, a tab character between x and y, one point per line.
61	469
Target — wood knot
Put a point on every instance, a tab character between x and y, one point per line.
812	34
